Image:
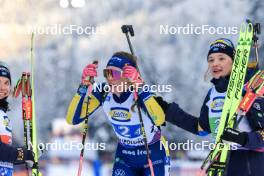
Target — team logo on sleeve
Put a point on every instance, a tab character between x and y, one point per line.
217	104
120	114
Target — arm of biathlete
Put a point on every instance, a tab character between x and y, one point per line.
149	105
8	153
77	110
177	116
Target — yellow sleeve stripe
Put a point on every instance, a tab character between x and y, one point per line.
155	111
200	128
77	108
165	145
72	108
94	103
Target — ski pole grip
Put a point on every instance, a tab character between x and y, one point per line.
128	29
90	79
28	109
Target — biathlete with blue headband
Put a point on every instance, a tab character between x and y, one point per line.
117	102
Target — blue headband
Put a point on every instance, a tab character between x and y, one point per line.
222	45
120	62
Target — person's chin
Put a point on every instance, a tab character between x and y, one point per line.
216	76
2	97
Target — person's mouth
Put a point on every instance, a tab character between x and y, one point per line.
217	71
2	94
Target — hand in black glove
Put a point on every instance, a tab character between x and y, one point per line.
25	156
163	104
235	136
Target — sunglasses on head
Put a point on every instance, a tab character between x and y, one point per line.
112	74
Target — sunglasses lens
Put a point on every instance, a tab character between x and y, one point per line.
106	73
114	74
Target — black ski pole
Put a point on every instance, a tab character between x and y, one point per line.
256	32
85	128
128	29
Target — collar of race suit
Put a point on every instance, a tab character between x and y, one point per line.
221	84
122	98
4	104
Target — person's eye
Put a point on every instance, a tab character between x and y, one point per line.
221	58
7	83
210	60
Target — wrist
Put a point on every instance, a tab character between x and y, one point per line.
82	89
244	138
143	93
235	136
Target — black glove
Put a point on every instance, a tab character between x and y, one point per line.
163	104
235	136
25	156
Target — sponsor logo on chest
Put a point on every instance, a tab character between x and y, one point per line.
217	104
6	123
120	114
